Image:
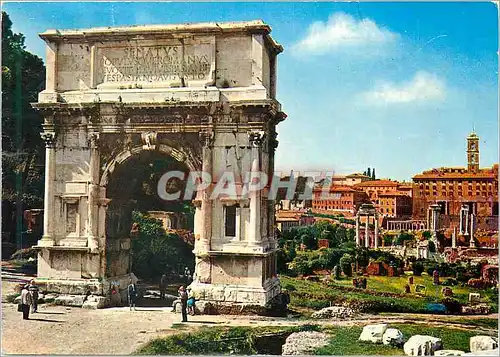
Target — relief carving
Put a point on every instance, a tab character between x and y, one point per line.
149	140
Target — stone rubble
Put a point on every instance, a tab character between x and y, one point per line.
303	343
338	312
420	345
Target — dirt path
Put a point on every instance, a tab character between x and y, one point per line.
62	330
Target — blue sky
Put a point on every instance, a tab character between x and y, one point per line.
395	86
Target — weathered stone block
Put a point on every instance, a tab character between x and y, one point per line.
482	343
420	345
449	353
95	302
70	300
373	333
393	337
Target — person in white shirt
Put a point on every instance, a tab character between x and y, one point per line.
26	301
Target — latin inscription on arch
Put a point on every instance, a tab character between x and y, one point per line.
155	64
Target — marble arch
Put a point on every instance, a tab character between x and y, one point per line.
201	93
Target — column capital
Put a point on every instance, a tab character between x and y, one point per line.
207	138
256	138
93	139
49	137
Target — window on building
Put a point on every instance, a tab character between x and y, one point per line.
230	221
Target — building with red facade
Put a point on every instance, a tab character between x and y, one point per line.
338	199
455	187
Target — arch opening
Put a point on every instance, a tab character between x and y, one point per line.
145	234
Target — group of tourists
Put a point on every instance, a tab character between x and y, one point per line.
29	299
187	299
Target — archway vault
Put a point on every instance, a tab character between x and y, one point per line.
102	106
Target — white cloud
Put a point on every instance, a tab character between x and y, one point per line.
343	31
424	86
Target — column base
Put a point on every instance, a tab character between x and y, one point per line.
46	241
236	294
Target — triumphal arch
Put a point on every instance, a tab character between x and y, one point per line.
203	94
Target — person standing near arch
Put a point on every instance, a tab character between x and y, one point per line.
132	295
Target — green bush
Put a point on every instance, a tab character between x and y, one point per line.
345	263
453	306
418	268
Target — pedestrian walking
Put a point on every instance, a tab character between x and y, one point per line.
183	295
26	302
132	295
163	285
33	289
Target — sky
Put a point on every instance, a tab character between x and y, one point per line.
392	86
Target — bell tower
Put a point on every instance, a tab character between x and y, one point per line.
473	152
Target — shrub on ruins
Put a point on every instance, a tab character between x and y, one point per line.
345	263
453	306
417	267
300	265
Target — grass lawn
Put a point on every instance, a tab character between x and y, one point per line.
243	340
316	295
345	340
397	284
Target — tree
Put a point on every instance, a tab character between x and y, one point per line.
351	235
373	174
340	235
368	172
23	152
156	252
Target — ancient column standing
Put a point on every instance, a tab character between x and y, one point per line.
466	216
472	243
206	203
255	139
376	232
357	230
367	236
93	242
48	206
454	238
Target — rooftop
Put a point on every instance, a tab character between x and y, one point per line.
377	183
166	31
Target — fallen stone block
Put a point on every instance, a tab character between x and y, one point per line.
70	300
482	343
49	298
449	353
304	343
95	302
373	333
393	337
494	352
420	345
